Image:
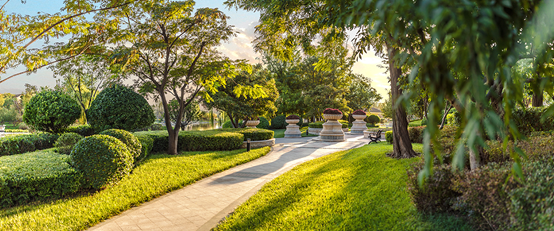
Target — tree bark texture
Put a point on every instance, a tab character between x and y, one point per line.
538	99
402	146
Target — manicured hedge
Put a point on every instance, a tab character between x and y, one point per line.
388	136
278	122
264	123
320	124
36	176
252	133
196	140
11	145
535	148
84	130
147	143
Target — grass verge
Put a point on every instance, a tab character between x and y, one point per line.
359	189
414	123
280	133
157	175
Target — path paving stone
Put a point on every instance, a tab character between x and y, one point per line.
202	205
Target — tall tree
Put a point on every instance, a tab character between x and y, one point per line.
171	49
361	94
240	106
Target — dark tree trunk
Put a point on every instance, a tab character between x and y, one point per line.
425	105
538	99
402	146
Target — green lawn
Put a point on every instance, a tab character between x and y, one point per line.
156	176
359	189
280	133
414	123
10	126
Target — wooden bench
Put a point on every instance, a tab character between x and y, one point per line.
376	138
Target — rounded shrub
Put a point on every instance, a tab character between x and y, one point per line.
132	142
373	119
51	111
121	108
388	136
278	122
66	142
264	123
103	160
227	124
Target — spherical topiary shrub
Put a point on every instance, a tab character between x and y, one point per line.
103	160
373	119
66	142
120	107
51	111
227	124
132	142
264	123
279	122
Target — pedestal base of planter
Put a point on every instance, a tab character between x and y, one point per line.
358	127
293	131
332	131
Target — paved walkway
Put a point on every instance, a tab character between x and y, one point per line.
202	205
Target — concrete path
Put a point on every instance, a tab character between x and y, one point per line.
202	205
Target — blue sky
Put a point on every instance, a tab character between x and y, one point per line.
239	47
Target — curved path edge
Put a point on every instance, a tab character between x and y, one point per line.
202	205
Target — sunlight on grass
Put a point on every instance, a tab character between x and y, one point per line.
156	176
359	189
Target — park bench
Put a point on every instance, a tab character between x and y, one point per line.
375	138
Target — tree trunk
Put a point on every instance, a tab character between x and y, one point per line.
538	99
173	133
446	111
402	146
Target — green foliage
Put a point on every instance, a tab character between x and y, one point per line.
227	124
320	124
453	118
191	112
51	111
84	130
264	123
36	176
529	120
373	119
347	190
361	93
484	195
536	147
11	145
157	175
103	160
121	108
416	134
66	142
253	133
388	136
532	203
243	106
436	194
133	144
424	122
279	122
147	143
7	114
197	140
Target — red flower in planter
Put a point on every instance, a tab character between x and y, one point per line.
332	111
293	117
359	112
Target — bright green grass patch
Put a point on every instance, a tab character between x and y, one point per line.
280	133
414	123
157	175
359	189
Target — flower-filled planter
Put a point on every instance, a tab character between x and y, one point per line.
332	129
253	123
358	126
293	130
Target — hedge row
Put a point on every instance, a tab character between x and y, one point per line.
20	182
528	120
252	133
84	130
11	145
196	141
320	124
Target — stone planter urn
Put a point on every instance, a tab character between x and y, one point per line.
252	123
358	126
293	130
332	129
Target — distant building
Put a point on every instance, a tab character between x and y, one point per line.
377	112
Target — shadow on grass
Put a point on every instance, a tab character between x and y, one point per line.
359	189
